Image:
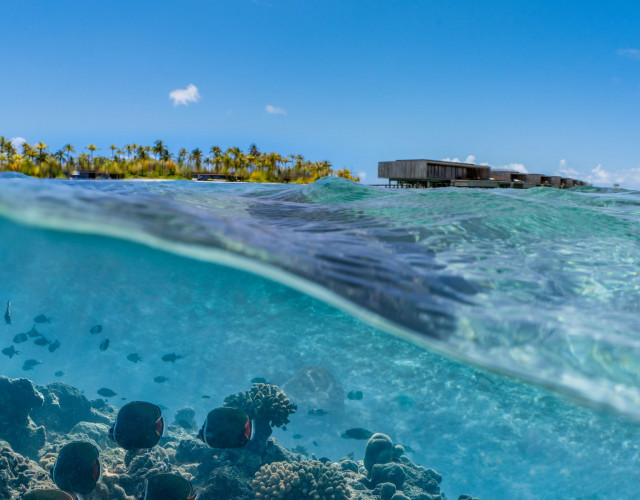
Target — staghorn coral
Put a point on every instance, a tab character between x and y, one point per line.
309	479
265	402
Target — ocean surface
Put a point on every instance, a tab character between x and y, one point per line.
494	332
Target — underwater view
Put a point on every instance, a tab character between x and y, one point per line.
490	335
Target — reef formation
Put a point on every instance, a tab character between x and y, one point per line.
36	422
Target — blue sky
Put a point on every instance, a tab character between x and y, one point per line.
546	85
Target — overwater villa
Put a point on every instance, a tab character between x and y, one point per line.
434	173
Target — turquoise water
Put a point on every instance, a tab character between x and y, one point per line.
494	332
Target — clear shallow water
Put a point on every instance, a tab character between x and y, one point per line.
539	283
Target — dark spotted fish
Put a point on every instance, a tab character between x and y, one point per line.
297	436
134	357
104	345
160	379
96	329
171	357
30	363
77	468
41	341
355	395
206	397
53	346
356	433
41	318
33	332
59	373
226	428
10	351
165	486
138	425
7	313
21	337
106	392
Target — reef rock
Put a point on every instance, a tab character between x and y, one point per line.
64	406
18	397
315	387
186	418
18	473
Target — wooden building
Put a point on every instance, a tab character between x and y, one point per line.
433	173
429	173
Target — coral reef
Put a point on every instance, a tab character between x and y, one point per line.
268	472
18	473
18	397
300	480
267	406
186	418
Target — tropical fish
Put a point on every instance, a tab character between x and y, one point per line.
297	436
33	332
7	313
356	433
165	486
314	443
134	357
41	318
226	427
258	380
41	341
355	395
171	357
30	363
47	495
59	373
104	345
77	468
206	397
138	425
21	337
318	412
10	351
160	379
53	346
96	329
106	392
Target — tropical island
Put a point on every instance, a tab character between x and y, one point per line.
134	161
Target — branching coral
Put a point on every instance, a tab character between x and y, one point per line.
264	402
309	479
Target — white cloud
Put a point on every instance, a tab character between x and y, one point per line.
514	167
185	96
17	141
630	53
564	171
362	175
455	160
626	178
274	110
470	159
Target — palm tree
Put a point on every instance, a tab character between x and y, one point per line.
91	148
41	147
113	149
182	154
159	150
196	157
68	148
10	151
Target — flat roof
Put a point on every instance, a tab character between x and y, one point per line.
458	163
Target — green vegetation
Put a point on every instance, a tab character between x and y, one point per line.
156	162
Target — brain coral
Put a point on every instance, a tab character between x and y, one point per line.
264	402
309	479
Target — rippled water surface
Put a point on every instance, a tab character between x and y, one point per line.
466	317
